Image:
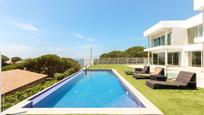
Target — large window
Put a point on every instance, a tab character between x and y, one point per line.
161	40
196	59
155	59
195	32
159	59
173	58
169	38
158	41
200	30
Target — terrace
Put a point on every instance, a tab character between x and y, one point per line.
170	102
174	100
103	86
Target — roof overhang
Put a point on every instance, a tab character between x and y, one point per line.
162	26
199	5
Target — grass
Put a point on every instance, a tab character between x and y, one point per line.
170	102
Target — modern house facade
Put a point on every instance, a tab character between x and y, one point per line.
178	43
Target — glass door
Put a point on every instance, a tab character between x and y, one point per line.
196	59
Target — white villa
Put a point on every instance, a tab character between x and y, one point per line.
178	43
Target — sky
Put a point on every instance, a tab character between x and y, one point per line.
30	28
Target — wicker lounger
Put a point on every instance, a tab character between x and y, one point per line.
145	69
158	72
184	80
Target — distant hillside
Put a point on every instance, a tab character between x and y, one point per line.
136	51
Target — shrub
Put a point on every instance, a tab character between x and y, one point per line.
59	76
4	60
14	66
15	59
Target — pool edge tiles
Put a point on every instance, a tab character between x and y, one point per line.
149	107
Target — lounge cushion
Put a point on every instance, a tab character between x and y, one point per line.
157	72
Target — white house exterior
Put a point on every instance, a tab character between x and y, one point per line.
178	43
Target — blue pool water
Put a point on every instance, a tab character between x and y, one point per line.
95	89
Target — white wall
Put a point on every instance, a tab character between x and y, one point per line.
198	4
179	36
193	21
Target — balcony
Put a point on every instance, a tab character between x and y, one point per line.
199	39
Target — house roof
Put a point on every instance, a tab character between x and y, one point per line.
14	79
162	25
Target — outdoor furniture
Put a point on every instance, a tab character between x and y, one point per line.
158	74
158	77
145	69
184	80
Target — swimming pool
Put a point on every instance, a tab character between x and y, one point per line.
91	89
101	91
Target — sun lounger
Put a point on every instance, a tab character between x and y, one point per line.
158	73
184	80
144	70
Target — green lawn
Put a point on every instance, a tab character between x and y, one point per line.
170	102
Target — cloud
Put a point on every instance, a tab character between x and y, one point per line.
20	25
91	39
27	26
58	49
80	36
88	46
17	50
24	51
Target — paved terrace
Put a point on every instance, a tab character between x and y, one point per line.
173	71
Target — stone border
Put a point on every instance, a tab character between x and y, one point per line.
149	109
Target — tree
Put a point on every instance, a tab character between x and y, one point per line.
136	51
113	54
15	59
47	64
4	60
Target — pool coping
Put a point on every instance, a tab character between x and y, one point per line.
150	108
